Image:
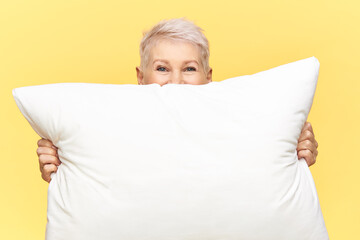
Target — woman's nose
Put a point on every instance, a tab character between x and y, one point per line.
176	78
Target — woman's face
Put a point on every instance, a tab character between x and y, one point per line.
176	62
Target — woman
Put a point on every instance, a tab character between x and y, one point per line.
174	51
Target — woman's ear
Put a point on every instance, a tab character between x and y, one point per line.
209	76
140	76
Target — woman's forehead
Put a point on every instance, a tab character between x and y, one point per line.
167	50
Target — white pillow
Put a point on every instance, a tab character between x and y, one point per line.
180	162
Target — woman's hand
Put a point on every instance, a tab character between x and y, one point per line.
48	158
307	145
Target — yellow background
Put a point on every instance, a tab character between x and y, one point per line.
45	42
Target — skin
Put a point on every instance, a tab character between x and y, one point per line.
175	62
179	64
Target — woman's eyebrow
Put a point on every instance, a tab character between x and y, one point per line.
189	61
166	61
161	60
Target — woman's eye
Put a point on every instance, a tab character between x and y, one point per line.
190	69
161	69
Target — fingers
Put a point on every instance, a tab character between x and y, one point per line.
45	143
48	159
47	170
307	135
307	139
307	132
308	156
46	151
307	127
307	149
307	145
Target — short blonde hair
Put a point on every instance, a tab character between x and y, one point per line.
175	29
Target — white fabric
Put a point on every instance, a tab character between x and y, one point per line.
180	162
